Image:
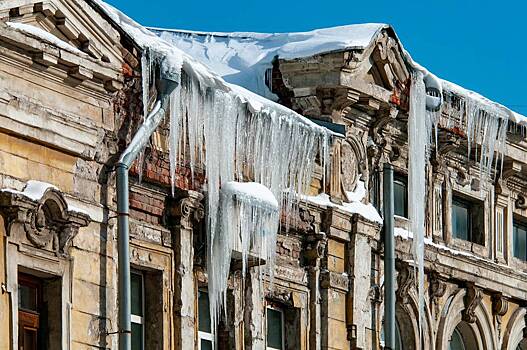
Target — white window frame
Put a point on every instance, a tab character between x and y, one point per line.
281	311
201	334
136	318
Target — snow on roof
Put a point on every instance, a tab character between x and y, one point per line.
468	94
44	35
176	59
242	58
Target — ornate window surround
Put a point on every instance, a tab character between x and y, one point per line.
39	228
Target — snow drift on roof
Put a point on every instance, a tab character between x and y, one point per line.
242	58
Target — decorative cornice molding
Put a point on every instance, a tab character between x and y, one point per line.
47	222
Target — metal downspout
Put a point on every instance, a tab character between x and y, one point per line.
139	140
389	259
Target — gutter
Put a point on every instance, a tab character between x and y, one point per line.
167	84
389	259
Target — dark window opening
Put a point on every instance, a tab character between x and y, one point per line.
400	196
205	336
146	309
519	239
467	220
275	329
282	326
39	312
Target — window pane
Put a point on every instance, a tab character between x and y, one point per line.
206	344
137	336
274	329
204	312
399	198
460	221
27	297
520	241
137	294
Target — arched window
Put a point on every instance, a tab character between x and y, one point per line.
456	341
462	338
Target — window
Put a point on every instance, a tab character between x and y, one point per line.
137	306
519	239
461	220
456	341
467	220
206	338
400	196
29	309
39	312
275	329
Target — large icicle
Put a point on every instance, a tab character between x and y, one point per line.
419	136
234	140
248	213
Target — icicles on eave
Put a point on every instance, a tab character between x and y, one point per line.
248	218
214	130
485	127
419	137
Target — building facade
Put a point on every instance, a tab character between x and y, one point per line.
71	87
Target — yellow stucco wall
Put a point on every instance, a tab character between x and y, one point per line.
4	297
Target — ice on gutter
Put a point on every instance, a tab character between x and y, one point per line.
234	135
44	35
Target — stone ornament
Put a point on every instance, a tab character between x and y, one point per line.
472	299
46	223
405	281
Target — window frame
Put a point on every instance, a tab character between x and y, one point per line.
461	202
202	334
30	320
521	222
401	179
136	318
282	330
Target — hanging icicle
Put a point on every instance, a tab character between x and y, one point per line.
419	136
220	132
484	123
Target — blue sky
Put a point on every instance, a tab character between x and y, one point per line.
480	45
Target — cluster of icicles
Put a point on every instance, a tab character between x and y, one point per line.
215	130
485	128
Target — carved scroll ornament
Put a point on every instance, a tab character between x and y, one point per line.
46	222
